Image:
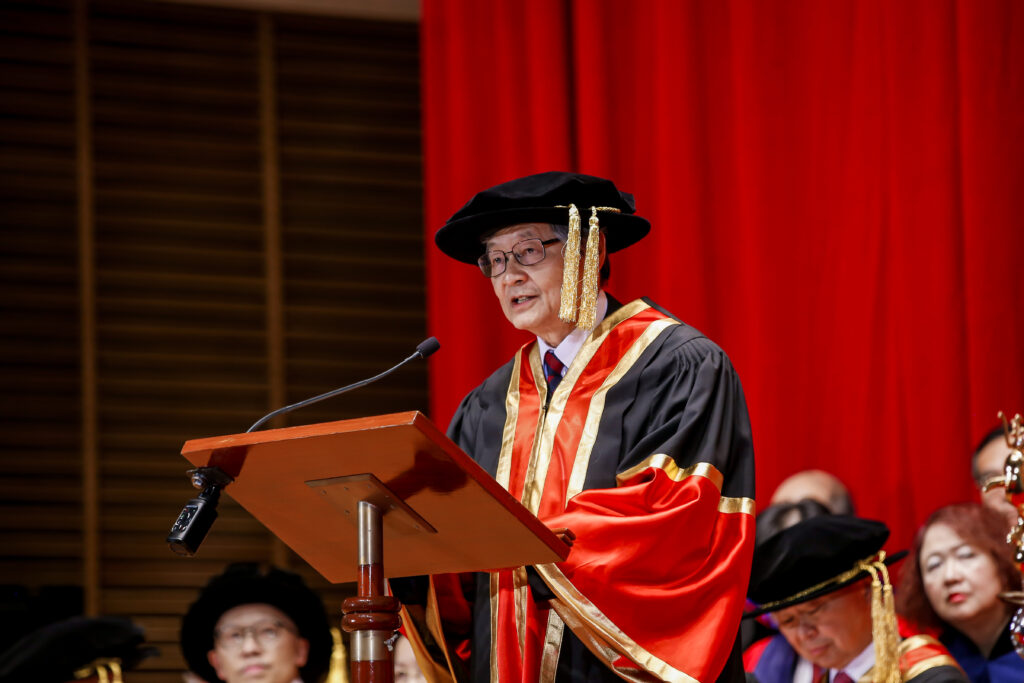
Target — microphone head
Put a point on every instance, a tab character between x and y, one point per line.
428	346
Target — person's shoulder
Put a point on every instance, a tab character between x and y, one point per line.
494	387
752	655
924	659
498	380
771	659
687	343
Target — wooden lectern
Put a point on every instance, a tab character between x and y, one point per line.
372	498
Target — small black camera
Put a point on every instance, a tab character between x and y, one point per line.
198	515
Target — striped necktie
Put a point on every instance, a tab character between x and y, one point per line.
552	370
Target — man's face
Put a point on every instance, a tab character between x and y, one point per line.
991	460
257	643
530	295
831	630
962	582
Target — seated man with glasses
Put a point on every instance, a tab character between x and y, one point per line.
250	625
987	467
619	422
825	581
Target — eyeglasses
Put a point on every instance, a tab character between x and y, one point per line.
528	253
265	633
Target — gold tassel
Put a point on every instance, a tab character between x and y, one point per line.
588	297
571	269
892	631
338	673
98	668
883	624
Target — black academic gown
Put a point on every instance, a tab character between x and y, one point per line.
644	451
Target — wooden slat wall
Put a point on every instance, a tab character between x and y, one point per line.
40	388
255	204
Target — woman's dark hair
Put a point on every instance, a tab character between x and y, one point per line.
993	434
981	527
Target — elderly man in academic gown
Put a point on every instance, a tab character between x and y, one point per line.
618	422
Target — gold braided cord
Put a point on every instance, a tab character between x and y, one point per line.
588	297
571	268
596	208
845	576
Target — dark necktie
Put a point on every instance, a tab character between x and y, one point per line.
842	677
552	370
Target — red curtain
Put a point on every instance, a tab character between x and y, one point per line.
836	194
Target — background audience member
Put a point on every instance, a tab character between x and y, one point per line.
100	648
817	485
986	464
251	624
773	519
959	564
406	668
816	577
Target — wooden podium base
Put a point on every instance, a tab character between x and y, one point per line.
371	617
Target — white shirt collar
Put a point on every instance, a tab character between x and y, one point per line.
570	346
858	666
804	671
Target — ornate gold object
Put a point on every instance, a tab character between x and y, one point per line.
1013	484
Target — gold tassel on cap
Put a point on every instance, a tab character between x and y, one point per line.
588	297
105	669
571	269
884	632
585	315
338	672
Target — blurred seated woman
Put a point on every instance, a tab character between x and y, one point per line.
951	583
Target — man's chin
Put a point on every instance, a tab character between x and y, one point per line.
523	321
823	657
256	674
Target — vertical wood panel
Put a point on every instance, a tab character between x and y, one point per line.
272	237
87	312
41	492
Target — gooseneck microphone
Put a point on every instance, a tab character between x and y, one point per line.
424	349
197	517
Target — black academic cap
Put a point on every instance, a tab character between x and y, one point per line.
541	198
812	558
56	653
247	583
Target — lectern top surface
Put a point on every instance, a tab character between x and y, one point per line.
442	512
